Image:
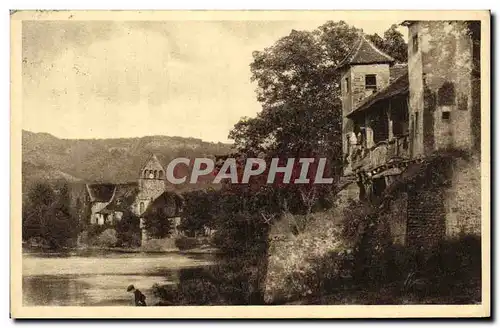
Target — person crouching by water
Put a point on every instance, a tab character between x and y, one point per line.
139	297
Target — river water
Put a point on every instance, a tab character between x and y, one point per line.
100	279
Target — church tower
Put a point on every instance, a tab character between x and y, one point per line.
151	182
363	72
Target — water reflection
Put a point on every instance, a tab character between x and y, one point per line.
100	279
53	290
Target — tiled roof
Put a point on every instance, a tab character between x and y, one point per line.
397	70
124	197
162	201
101	192
365	52
398	87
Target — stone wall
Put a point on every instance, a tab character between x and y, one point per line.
151	183
416	91
398	219
358	73
441	99
426	218
463	199
446	211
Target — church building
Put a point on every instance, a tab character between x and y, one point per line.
108	203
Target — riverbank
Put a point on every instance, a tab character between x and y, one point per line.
208	250
201	250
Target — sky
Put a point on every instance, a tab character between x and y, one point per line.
118	79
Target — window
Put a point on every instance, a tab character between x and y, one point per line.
371	82
160	174
378	186
347	86
155	174
446	94
141	207
445	116
415	43
145	174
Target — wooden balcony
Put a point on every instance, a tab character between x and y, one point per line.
398	148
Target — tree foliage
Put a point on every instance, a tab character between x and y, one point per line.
46	216
199	211
157	224
297	85
128	230
392	43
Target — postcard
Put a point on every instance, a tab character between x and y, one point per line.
250	164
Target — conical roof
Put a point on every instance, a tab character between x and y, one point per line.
365	53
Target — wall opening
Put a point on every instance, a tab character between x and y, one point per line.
446	94
371	82
380	127
379	186
415	43
399	117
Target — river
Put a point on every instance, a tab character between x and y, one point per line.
100	279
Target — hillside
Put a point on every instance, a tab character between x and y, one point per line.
49	158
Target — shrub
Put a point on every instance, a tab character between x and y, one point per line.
196	291
184	243
94	230
84	238
46	215
159	245
128	231
157	225
107	238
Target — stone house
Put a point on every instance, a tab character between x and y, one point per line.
398	117
106	204
169	205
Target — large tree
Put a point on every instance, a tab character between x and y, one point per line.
297	85
199	211
393	43
46	216
157	224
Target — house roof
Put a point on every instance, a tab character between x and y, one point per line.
408	22
162	200
398	87
124	197
397	70
102	192
365	52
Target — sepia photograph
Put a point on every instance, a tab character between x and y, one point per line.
250	164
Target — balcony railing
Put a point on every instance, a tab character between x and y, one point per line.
381	153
